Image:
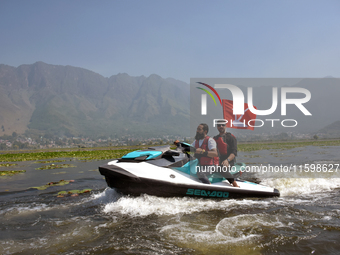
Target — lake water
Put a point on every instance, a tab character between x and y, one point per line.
304	220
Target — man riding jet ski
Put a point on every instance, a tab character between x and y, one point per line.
161	171
208	154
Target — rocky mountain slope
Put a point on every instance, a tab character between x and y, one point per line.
73	101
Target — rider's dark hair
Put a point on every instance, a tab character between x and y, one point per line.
205	127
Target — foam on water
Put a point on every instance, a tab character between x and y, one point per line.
191	222
146	205
302	186
205	234
188	234
32	208
107	196
205	225
24	209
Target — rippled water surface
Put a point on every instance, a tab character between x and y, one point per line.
304	220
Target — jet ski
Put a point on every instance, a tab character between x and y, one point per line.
164	172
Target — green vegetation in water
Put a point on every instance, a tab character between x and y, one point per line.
284	145
113	153
51	184
279	155
53	166
80	155
73	193
11	173
60	172
49	161
252	156
7	165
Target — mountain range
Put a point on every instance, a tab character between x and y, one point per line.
42	98
72	101
331	131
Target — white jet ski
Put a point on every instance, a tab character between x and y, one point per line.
161	171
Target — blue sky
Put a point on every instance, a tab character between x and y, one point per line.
178	39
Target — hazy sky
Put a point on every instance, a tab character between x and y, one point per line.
178	39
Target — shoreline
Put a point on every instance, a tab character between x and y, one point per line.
100	153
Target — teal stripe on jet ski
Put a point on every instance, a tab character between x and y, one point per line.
137	154
189	167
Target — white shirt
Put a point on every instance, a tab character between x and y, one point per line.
211	143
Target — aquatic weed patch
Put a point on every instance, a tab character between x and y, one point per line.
73	193
283	145
49	161
280	155
7	165
63	172
11	173
80	155
54	166
51	184
103	154
113	153
252	156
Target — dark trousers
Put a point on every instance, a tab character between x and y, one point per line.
203	175
227	175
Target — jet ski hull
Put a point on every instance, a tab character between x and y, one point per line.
127	182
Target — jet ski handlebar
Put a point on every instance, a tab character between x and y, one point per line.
185	146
